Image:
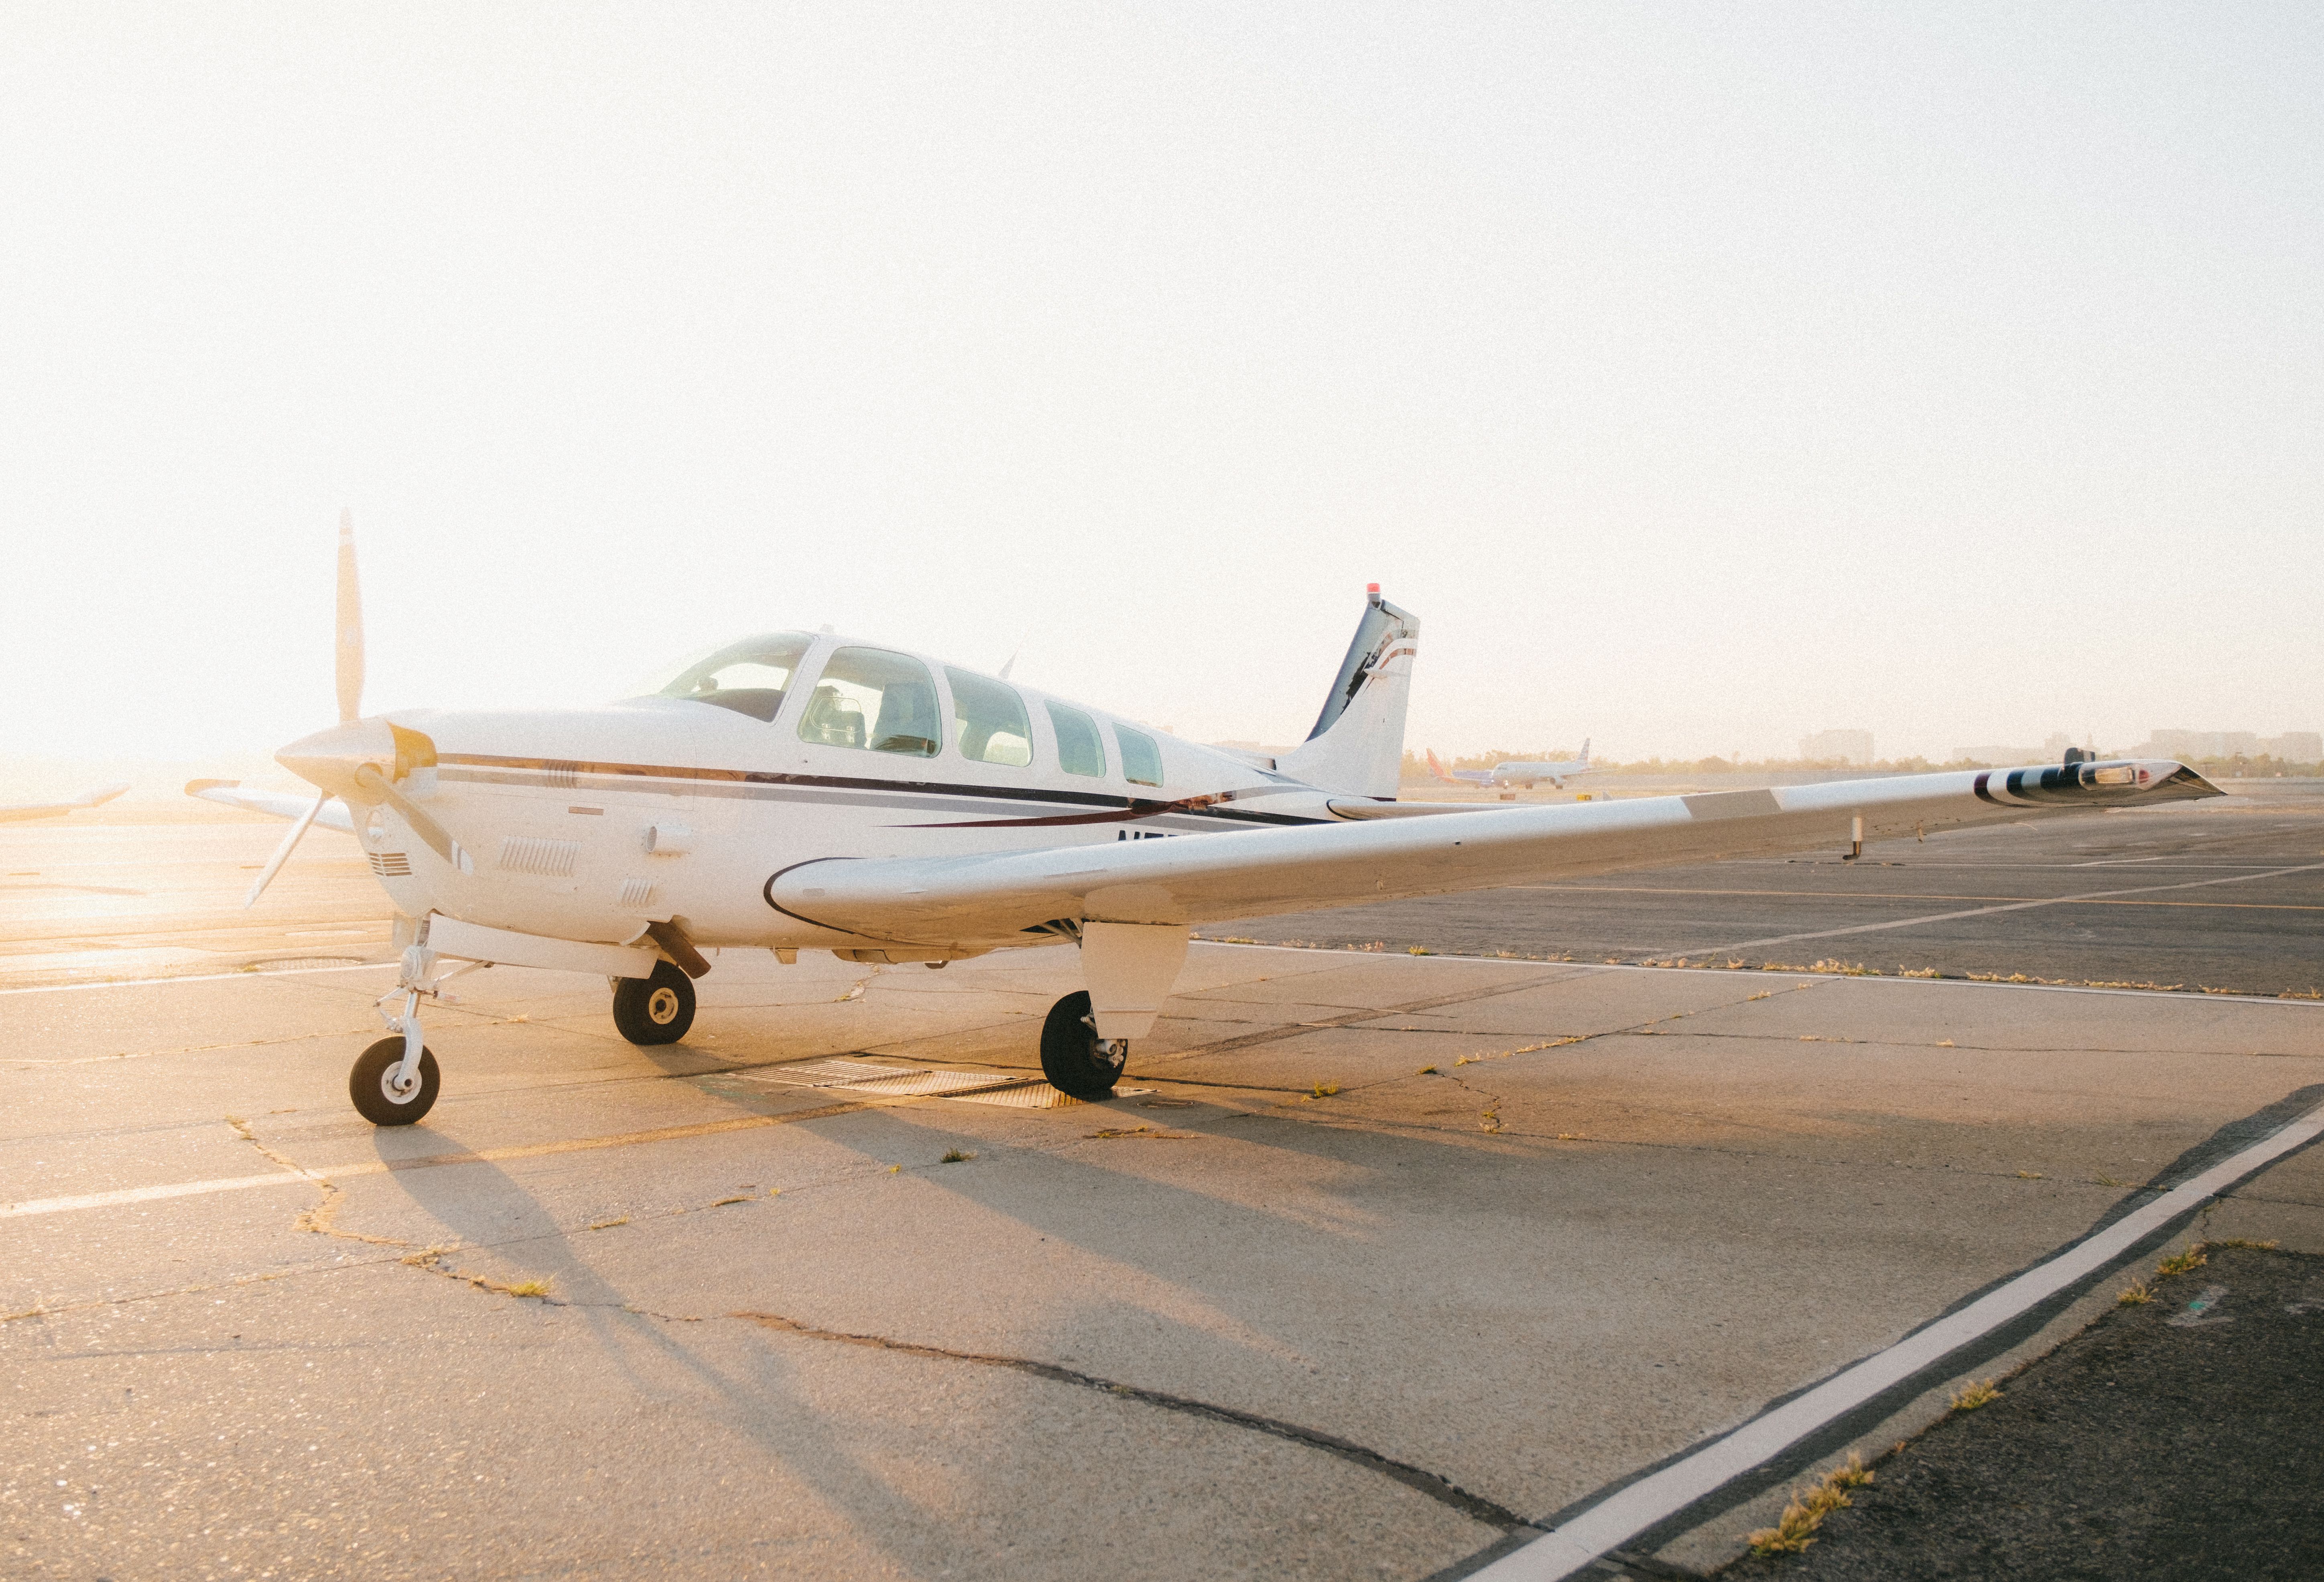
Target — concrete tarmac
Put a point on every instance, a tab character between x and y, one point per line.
1386	1257
2225	896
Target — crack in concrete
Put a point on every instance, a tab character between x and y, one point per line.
1441	1489
318	1219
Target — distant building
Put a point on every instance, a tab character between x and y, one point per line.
2187	744
1994	754
2291	747
1846	746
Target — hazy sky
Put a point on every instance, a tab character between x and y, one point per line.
1699	375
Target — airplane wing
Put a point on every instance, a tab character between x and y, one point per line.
95	798
281	804
984	900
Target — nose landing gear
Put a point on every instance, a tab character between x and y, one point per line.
381	1092
394	1081
1076	1061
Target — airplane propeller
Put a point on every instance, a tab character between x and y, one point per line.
349	676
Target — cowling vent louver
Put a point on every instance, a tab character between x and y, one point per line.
531	854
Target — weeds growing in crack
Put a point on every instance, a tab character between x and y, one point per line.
2180	1263
1795	1529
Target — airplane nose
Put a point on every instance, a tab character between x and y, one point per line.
328	760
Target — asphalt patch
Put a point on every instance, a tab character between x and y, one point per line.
2179	1440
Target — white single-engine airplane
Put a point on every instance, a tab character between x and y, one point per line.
1515	773
793	792
11	811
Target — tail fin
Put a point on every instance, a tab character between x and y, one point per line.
1438	769
1357	747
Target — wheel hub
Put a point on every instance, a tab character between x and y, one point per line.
661	1005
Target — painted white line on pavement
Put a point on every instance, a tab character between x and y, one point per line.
1630	1510
149	1194
2026	905
193	978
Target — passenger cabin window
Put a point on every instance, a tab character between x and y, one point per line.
749	676
1141	760
991	719
870	698
1080	749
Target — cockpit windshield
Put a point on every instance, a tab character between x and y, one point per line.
749	676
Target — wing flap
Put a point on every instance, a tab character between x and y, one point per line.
1212	878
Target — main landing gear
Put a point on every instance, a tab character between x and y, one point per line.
1076	1061
654	1010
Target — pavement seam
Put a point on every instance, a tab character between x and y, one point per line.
1441	1489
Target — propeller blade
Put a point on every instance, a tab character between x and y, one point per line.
282	852
350	634
378	785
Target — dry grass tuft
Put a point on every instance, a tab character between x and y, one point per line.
527	1288
1975	1394
1418	950
1852	1474
1324	1090
2133	1295
2180	1263
1795	1529
609	1223
2240	1242
955	1156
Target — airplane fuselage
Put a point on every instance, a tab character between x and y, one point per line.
595	824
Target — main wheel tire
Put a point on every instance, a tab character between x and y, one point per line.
368	1084
654	1010
1072	1057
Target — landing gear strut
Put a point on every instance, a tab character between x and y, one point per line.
1076	1061
654	1010
394	1081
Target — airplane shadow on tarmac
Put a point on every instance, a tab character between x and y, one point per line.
1181	1310
490	1212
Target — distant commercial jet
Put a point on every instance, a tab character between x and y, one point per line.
1505	776
11	811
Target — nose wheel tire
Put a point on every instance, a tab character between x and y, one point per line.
1076	1061
654	1010
371	1085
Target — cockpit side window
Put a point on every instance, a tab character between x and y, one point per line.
872	698
750	677
1141	760
991	719
1080	749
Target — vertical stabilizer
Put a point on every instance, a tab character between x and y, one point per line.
1357	747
